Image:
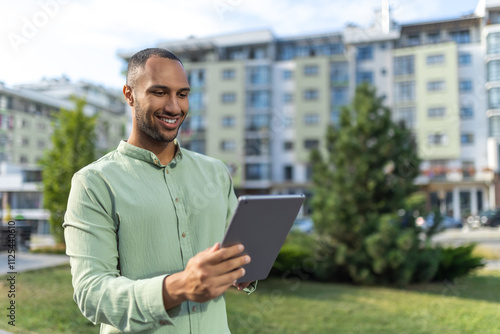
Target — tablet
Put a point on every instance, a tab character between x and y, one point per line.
261	223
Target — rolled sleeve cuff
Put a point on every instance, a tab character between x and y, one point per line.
251	288
154	301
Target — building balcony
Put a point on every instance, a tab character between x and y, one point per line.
454	175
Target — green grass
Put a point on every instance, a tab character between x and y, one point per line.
471	305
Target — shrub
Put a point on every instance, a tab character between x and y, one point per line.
456	262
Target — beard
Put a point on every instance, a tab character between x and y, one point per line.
147	127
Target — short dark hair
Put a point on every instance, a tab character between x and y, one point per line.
138	61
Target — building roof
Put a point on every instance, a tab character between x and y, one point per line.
36	97
207	43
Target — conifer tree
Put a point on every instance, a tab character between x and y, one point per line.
361	182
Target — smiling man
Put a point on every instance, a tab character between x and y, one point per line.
143	223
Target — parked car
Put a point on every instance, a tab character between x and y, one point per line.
304	224
493	219
484	218
446	223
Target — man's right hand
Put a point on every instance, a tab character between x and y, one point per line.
207	275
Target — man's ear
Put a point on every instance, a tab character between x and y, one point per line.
127	92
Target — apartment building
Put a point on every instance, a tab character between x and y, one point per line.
260	102
26	115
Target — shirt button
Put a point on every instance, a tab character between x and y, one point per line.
156	161
163	322
177	200
183	234
193	309
168	171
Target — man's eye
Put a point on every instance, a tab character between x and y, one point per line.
159	93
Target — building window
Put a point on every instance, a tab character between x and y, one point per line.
466	112
258	75
287	98
25	123
197	145
255	172
436	112
405	115
288	145
460	37
196	78
433	37
197	123
311	119
435	86
494	98
195	101
311	94
467	138
404	65
494	70
310	70
413	40
259	99
404	91
228	98
364	76
287	74
41	126
23	159
339	72
288	173
465	86
257	146
365	52
311	144
257	122
228	74
40	144
25	142
228	121
494	126
227	145
437	139
464	59
435	59
340	96
335	116
493	43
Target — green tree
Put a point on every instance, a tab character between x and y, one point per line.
73	147
361	186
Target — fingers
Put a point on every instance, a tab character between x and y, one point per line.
216	254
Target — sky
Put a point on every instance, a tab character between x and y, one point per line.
80	38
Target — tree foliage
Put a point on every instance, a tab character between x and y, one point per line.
361	189
73	147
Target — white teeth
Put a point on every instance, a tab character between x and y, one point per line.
168	120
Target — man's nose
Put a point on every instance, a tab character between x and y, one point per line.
172	105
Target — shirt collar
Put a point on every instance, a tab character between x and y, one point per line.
148	156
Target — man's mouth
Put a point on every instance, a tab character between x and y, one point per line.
168	122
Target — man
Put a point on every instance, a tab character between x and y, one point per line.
143	222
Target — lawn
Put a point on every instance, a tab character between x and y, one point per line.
470	305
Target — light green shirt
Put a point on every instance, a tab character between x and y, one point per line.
130	222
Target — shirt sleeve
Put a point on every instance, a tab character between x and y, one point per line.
102	294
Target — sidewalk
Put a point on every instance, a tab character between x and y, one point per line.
25	261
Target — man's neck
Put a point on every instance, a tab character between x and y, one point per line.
164	151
